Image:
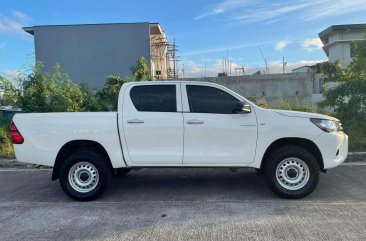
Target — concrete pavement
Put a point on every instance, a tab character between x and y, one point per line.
183	204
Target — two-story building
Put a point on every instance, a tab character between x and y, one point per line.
339	40
89	52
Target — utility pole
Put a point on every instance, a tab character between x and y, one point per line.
228	62
265	61
283	65
205	66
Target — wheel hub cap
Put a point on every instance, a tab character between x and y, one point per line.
292	173
83	177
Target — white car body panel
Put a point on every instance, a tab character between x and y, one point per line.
218	137
165	139
158	140
46	133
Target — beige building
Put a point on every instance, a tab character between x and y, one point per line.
158	52
337	40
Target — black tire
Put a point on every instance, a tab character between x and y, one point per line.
97	170
280	161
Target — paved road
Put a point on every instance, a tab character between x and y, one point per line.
183	204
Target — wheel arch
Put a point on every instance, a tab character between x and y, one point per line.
307	144
77	145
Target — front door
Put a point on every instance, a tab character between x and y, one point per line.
214	134
153	124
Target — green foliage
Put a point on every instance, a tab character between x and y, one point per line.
92	100
281	104
141	70
109	94
36	92
6	148
64	95
51	92
11	95
348	98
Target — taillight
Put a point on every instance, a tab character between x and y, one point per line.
15	135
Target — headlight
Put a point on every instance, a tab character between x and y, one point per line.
327	125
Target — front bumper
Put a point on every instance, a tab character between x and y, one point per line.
333	147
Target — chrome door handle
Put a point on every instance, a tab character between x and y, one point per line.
194	122
135	121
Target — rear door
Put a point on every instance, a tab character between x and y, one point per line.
213	133
153	123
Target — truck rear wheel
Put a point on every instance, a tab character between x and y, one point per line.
291	172
84	175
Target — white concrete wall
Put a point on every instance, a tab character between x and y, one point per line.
340	50
296	88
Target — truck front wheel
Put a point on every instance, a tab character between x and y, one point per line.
291	171
84	175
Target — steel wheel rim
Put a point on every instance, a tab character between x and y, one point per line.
292	173
83	177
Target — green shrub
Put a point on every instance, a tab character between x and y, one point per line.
6	147
281	104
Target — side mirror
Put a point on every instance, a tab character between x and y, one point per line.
242	108
247	108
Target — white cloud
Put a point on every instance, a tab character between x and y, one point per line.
195	69
20	16
272	21
281	45
222	7
311	44
269	12
334	8
224	48
14	23
276	67
13	74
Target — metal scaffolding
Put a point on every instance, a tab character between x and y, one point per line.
164	58
172	60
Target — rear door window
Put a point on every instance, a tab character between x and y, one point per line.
154	98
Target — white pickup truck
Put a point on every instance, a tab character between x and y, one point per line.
180	124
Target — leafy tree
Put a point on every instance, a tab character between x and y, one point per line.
36	92
51	92
141	70
65	95
348	98
92	101
11	92
109	94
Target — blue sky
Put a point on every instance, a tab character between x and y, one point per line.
204	30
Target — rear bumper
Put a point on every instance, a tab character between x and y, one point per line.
333	147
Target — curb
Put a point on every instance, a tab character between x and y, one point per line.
356	156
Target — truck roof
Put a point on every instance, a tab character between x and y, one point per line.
170	81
